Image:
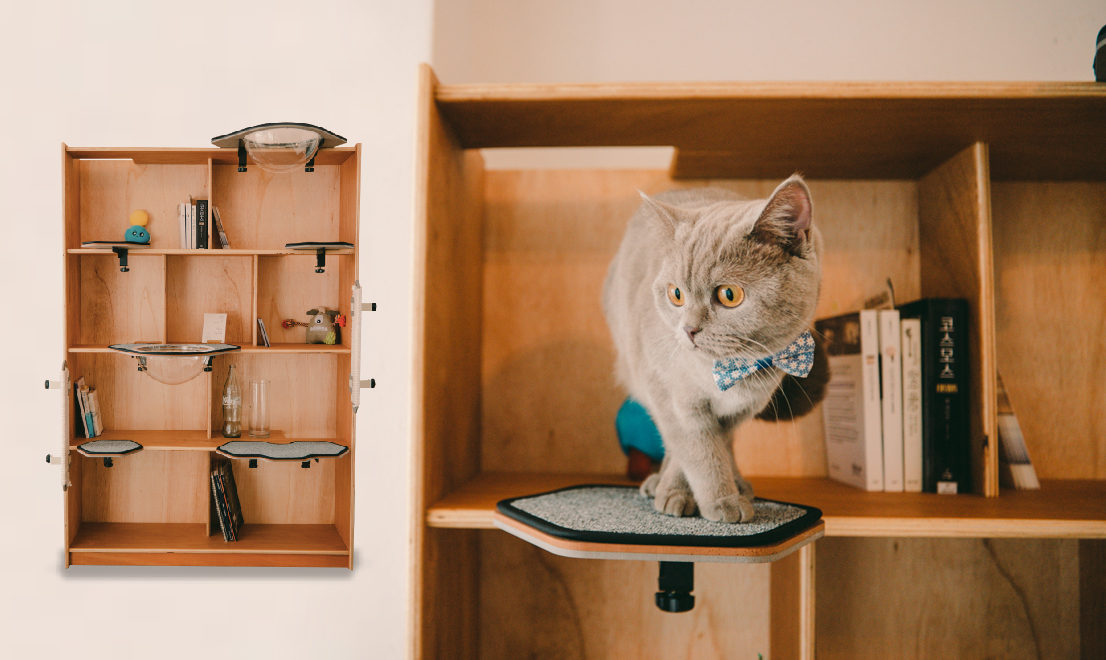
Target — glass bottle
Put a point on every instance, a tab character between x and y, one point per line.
232	407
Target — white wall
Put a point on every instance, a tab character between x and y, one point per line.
114	73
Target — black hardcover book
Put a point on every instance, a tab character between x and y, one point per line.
230	496
201	224
946	423
220	506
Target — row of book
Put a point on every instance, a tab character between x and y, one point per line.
896	408
224	495
201	227
87	402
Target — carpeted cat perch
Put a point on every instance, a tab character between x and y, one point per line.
617	522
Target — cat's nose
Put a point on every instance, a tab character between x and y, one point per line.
691	332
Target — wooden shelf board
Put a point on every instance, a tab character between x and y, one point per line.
275	348
187	440
1061	509
188	156
277	252
889	130
296	348
191	538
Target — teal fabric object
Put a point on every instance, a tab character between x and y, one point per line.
636	430
137	234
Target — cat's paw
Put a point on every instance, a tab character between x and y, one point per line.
648	487
734	508
675	503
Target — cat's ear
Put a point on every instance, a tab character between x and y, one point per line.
786	219
669	216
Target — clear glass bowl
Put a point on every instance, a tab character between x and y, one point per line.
282	149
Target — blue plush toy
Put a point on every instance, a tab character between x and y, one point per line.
639	438
137	233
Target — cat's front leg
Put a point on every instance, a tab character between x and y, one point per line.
670	491
706	457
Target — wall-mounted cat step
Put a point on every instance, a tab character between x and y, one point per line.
108	449
300	450
319	248
617	522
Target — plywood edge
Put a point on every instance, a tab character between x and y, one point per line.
792	605
592	550
522	92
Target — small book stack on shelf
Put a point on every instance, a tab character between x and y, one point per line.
896	406
224	495
201	227
87	402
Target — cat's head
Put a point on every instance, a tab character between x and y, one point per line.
738	277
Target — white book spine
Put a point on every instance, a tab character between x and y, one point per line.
191	226
912	405
890	340
873	427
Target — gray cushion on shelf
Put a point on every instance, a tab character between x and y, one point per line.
299	450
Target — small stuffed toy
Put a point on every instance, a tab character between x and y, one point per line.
321	328
137	232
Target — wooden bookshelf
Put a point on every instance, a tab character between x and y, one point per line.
153	506
949	189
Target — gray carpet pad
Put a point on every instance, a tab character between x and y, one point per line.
620	514
299	450
108	447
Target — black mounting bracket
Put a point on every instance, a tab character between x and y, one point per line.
207	364
241	155
305	464
121	252
320	260
310	166
253	462
676	580
107	461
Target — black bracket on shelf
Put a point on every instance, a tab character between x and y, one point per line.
676	580
320	260
121	252
207	364
253	462
107	461
310	166
241	155
305	464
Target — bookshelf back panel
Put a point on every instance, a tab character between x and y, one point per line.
199	285
549	237
1050	257
117	307
147	486
111	189
260	210
132	400
282	492
605	609
288	286
303	392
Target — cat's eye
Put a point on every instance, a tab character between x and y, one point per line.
730	295
675	296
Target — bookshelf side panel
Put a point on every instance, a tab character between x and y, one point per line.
1050	257
954	217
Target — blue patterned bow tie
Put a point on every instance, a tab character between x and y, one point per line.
797	360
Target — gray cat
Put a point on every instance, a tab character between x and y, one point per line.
705	280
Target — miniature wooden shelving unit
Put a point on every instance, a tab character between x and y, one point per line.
153	507
992	192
